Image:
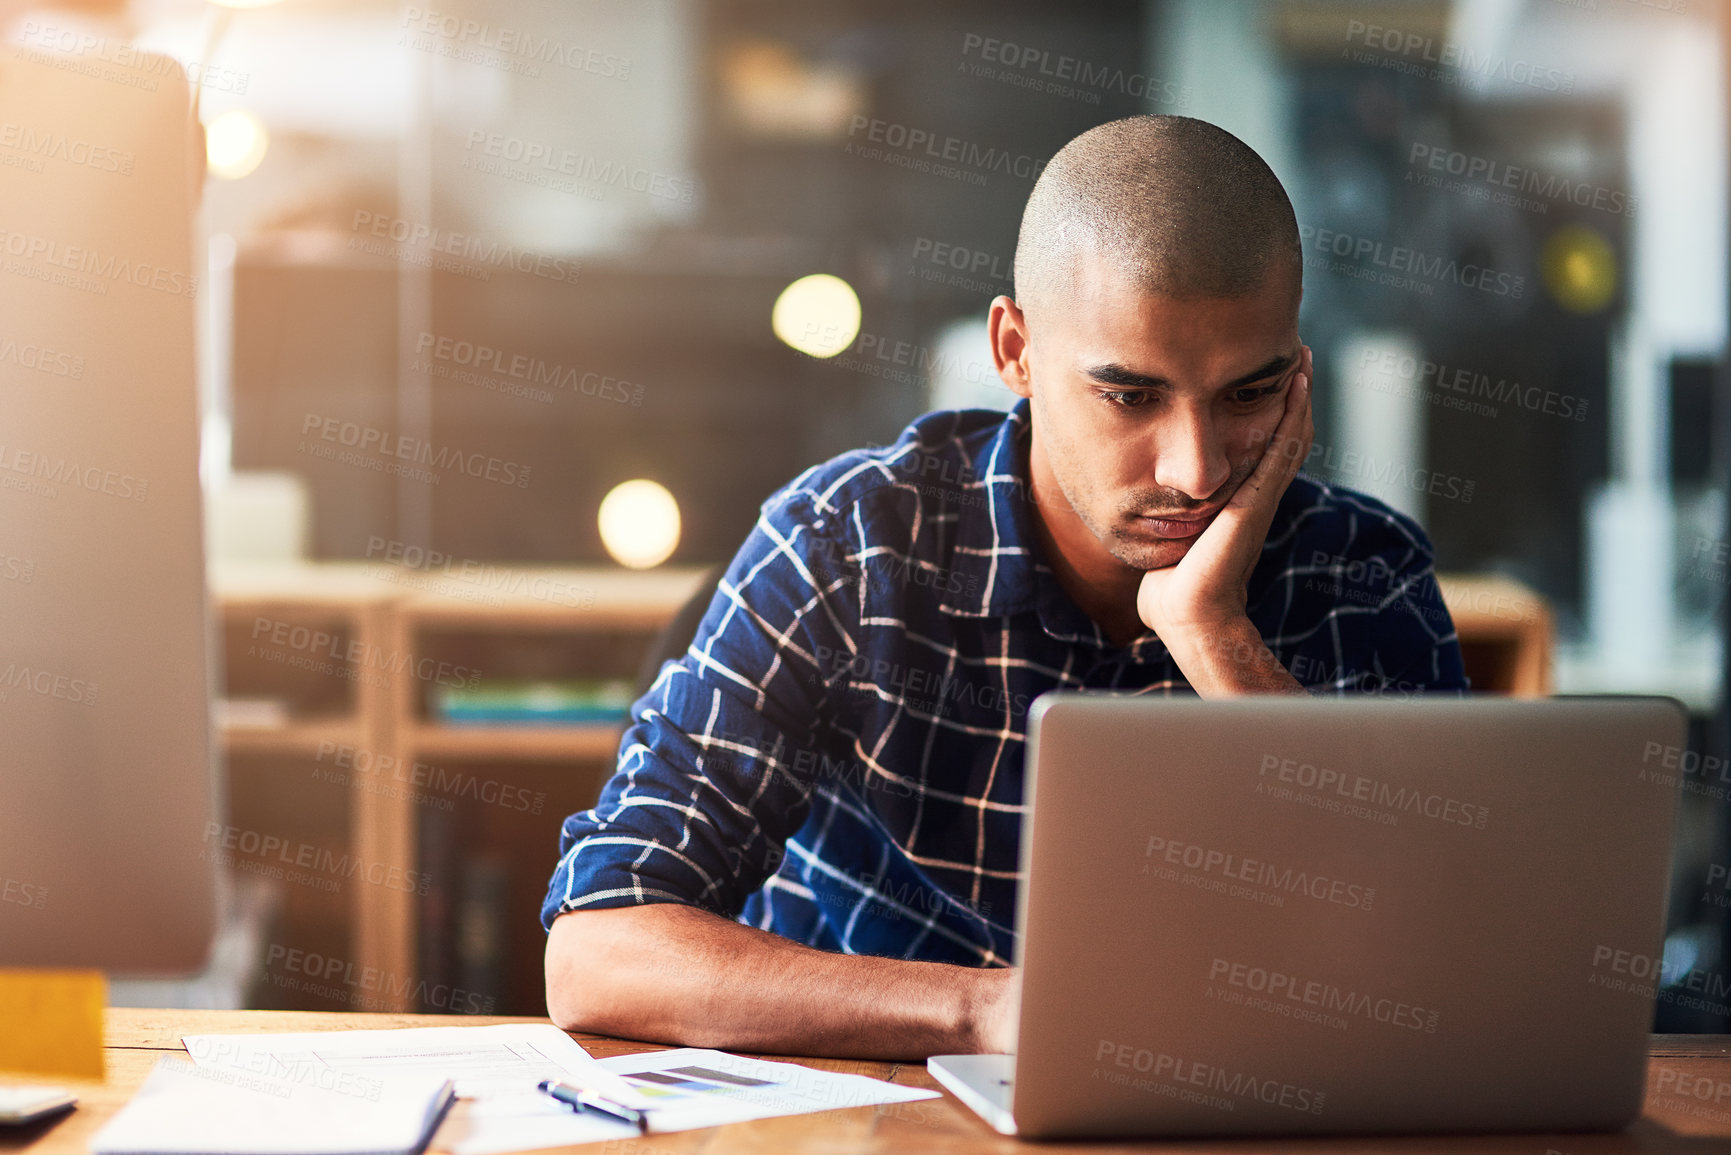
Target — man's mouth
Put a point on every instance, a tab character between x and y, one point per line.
1176	527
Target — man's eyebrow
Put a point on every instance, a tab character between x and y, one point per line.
1113	373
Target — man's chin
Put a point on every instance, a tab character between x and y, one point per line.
1147	555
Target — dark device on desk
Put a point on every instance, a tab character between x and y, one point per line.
1299	917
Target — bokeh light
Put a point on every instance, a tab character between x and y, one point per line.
235	143
1579	268
639	523
819	315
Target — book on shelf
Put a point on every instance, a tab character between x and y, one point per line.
569	702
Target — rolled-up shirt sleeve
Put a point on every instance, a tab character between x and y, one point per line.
705	794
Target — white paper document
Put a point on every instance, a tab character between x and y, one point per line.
185	1109
496	1070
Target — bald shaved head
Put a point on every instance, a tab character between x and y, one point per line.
1173	205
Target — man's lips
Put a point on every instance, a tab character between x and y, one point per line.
1176	527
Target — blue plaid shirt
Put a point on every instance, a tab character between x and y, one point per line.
838	756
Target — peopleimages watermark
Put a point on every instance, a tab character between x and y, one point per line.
836	560
331	651
29	355
417	567
1399	266
961	267
1286	994
363	987
467	254
417	781
1457	387
87	270
349	443
805	766
1446	61
38	147
1351	467
545	165
1349	788
1691	1093
1627	970
1191	1081
1265	882
915	687
904	362
1038	70
1322	677
20	893
1718	884
306	863
1709	560
875	895
1372	581
220	1056
1499	182
502	46
1678	766
81	51
40	474
469	361
939	154
17	676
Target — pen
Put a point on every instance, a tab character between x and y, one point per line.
578	1099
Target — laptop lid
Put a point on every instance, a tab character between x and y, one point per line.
1292	915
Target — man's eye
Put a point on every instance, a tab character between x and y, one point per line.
1252	396
1126	398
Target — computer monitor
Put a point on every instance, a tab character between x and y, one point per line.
107	785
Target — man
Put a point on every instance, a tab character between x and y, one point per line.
811	842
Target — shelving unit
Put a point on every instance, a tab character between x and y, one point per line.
325	711
389	627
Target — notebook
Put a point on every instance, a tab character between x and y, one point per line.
184	1109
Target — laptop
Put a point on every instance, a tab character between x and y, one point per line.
1291	916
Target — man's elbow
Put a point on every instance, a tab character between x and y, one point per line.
577	977
596	969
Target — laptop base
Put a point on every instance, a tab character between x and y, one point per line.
983	1082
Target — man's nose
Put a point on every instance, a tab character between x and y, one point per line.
1189	455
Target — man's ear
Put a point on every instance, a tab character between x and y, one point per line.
1008	329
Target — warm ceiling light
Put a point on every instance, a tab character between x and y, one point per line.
235	143
818	315
639	523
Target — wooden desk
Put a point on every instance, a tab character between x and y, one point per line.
1688	1102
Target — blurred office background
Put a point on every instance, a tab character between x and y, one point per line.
554	238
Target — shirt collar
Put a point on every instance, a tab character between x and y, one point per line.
995	549
997	552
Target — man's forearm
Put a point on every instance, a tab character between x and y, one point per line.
677	974
1231	660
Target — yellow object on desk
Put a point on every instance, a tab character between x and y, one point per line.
52	1023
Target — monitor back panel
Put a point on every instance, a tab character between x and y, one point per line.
1294	916
106	784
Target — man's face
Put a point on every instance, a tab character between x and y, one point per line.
1153	410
